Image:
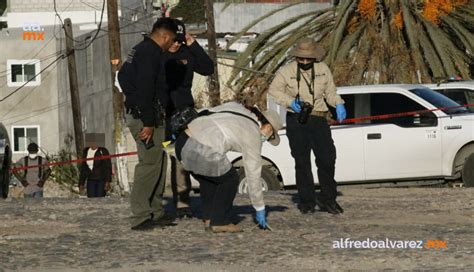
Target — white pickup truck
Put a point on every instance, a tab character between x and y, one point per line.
433	145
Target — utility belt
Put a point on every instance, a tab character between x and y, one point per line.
158	112
315	113
324	114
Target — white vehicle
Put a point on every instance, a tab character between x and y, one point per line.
461	92
426	146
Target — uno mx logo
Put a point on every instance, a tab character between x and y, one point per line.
435	247
33	31
436	244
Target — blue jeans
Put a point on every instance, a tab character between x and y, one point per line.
34	194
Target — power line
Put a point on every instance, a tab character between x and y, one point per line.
7	74
60	19
98	28
62	24
96	33
125	33
19	102
24	84
47	109
33	61
42	47
145	13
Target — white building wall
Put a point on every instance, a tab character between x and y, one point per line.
30	106
237	16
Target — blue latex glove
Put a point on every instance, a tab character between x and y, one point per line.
341	112
261	220
295	105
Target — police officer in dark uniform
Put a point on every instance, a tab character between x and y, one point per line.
183	58
142	81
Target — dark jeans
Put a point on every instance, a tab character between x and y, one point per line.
217	193
314	136
95	188
217	196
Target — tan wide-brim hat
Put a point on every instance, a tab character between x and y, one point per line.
274	119
307	48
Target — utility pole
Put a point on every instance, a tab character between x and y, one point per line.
74	88
117	96
214	93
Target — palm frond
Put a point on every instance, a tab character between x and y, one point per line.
342	18
255	22
396	44
411	29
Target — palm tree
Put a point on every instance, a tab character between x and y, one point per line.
370	41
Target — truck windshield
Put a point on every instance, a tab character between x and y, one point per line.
440	101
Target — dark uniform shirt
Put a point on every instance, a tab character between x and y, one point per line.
180	67
140	79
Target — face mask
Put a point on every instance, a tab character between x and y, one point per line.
264	138
305	66
33	156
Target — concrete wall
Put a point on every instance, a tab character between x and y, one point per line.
30	106
94	89
236	16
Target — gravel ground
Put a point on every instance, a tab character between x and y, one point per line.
78	234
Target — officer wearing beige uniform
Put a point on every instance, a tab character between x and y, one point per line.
306	87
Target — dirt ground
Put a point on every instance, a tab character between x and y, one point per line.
79	234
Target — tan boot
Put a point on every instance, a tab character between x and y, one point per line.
226	228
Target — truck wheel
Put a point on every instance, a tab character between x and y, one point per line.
269	180
463	165
467	172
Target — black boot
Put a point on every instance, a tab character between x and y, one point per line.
333	207
306	208
184	213
330	206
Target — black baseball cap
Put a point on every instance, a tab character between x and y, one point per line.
181	32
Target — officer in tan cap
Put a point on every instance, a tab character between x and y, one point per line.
305	87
